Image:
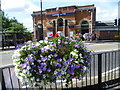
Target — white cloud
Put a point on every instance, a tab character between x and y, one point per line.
28	23
75	1
19	6
21	10
107	13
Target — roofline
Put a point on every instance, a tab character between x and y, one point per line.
92	5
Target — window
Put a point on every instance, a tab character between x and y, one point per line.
60	22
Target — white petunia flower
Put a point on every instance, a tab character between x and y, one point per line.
82	61
28	67
47	47
41	41
73	54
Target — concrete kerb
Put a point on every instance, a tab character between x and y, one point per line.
7	50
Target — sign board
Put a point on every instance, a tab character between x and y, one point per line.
48	34
60	14
71	33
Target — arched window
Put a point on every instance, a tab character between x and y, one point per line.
60	22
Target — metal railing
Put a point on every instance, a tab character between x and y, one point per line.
104	72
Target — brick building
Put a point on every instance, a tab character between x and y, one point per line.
67	20
106	31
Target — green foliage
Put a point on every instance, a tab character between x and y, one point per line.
12	25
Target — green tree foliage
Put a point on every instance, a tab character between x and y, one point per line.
12	25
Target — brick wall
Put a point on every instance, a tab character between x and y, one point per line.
106	35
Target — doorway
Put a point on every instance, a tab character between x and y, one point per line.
84	27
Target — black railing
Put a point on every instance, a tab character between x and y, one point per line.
104	73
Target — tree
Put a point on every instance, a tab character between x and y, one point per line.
12	25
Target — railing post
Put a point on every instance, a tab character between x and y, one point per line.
99	71
2	82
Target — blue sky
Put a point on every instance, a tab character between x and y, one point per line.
106	10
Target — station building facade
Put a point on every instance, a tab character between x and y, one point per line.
68	20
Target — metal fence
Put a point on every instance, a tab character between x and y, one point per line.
104	73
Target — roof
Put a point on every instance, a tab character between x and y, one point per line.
99	23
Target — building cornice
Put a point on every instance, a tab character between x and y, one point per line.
86	8
36	14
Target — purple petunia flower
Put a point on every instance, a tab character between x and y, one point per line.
69	60
89	59
24	65
82	66
34	66
39	67
43	69
53	76
85	55
55	55
86	62
55	64
54	45
49	70
76	45
70	71
50	48
66	42
74	40
59	60
34	45
31	70
38	73
77	66
35	52
59	65
32	61
59	73
44	58
54	81
43	50
43	64
85	50
88	66
38	61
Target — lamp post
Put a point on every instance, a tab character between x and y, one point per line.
41	11
40	26
40	32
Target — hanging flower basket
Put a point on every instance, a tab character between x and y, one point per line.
44	62
88	36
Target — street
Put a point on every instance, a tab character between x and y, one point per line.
6	56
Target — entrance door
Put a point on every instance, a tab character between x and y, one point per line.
84	27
